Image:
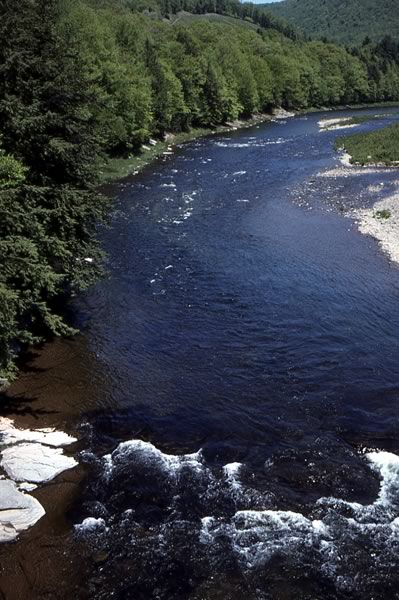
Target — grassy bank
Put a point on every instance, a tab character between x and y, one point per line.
364	119
376	147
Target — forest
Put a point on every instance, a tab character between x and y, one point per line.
345	22
83	81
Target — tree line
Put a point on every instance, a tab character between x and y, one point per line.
83	80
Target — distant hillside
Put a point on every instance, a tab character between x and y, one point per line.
231	12
343	21
184	17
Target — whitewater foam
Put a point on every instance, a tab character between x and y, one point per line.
252	143
232	472
90	525
256	535
247	523
134	450
168	185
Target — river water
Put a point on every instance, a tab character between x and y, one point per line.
241	392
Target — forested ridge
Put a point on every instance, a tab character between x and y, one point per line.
81	81
342	21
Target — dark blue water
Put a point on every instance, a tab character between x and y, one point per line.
245	365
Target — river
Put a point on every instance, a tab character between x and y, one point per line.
236	382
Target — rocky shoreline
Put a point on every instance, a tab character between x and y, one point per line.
382	223
28	458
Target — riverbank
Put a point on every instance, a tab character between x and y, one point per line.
347	122
381	220
373	150
119	168
29	458
382	223
379	147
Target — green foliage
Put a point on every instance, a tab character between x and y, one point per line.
383	214
12	172
381	146
170	110
363	119
346	22
48	206
86	80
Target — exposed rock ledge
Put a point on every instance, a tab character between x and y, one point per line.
28	458
333	124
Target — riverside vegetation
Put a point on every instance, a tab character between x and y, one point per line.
375	147
82	82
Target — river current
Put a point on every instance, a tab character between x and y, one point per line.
244	368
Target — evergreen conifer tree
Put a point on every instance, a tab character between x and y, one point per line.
48	220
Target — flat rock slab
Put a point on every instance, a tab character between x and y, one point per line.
18	511
28	457
35	463
9	434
